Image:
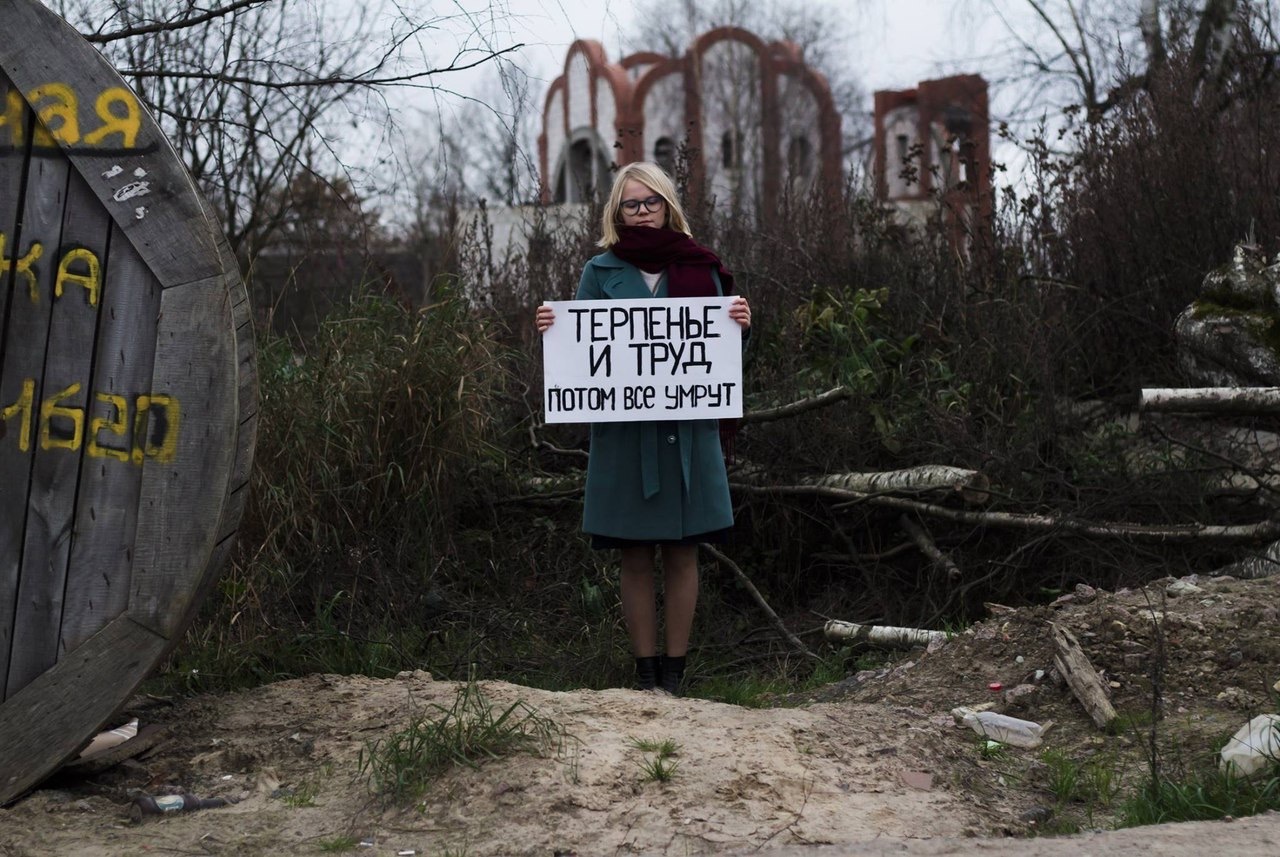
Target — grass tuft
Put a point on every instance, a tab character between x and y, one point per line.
338	844
470	731
659	767
1204	795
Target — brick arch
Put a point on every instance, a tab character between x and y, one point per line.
829	132
628	133
721	34
787	51
666	67
643	58
558	87
770	145
598	68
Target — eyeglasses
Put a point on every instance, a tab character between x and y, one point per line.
653	203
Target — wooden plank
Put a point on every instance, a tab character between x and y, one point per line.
21	375
12	159
246	390
52	717
126	160
1074	667
183	499
110	480
12	165
246	435
75	296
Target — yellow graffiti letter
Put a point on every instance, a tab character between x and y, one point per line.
25	264
167	450
64	108
49	409
126	126
117	424
91	280
22	406
11	117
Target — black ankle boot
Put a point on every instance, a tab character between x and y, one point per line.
647	672
672	674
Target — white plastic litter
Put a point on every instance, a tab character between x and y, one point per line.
104	741
1001	727
1254	747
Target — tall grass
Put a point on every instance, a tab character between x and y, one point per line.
377	437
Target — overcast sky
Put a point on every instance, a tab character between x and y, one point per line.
894	43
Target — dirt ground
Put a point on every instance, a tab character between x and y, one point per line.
872	765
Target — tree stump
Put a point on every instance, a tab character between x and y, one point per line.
127	395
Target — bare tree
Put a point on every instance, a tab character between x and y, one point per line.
1097	55
499	129
254	93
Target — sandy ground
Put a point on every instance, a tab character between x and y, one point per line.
874	765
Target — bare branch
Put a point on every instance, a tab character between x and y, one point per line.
539	443
830	397
759	599
366	78
1163	533
170	26
1084	75
926	545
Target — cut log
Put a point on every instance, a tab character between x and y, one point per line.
1212	400
1081	677
971	485
1261	531
881	635
1263	564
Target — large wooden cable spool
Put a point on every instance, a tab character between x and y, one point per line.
127	394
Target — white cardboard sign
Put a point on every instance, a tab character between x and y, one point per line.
627	360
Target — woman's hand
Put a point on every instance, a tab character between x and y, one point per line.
739	311
547	317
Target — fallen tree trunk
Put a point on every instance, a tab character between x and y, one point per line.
1212	400
971	485
1081	677
1268	530
883	635
1264	564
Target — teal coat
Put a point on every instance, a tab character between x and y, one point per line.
650	481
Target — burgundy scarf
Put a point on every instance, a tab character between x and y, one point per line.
688	265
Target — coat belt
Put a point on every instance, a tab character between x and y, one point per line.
650	437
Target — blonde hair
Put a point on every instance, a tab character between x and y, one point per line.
656	179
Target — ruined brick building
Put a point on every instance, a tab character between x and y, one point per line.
932	145
757	123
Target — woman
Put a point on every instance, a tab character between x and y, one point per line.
654	485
